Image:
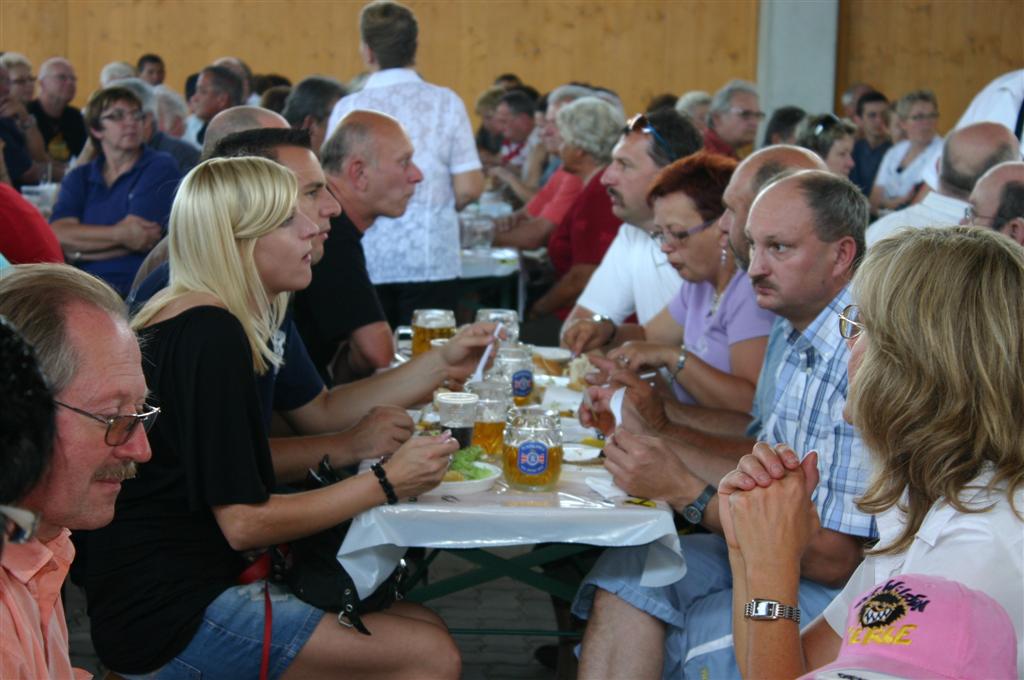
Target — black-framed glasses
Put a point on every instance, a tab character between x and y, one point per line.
118	115
662	236
639	123
19	524
827	122
849	325
119	428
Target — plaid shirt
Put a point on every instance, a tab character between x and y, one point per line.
799	401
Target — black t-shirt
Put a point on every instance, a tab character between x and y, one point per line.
340	299
16	155
64	136
150	574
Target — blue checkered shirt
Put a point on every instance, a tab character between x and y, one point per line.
799	401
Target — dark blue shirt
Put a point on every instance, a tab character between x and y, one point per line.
16	156
147	190
294	384
866	165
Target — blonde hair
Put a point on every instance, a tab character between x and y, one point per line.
222	206
939	394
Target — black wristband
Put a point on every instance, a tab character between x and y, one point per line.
382	477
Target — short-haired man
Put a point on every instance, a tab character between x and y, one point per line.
309	106
966	155
184	153
414	260
90	357
217	89
369	169
634	276
244	73
238	119
871	117
695	104
151	69
733	118
685	628
997	201
61	125
514	118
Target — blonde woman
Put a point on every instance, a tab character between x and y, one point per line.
937	391
161	578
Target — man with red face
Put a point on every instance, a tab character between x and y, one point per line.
733	119
79	328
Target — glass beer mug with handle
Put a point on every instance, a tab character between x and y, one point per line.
428	324
508	317
491	411
515	365
533	449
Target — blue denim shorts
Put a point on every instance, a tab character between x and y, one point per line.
229	642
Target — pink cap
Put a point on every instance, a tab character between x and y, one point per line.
916	626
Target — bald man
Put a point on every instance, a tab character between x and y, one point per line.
61	125
369	169
997	201
966	155
237	119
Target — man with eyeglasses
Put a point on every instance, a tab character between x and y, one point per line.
91	360
61	125
966	155
733	118
806	235
24	154
634	277
997	201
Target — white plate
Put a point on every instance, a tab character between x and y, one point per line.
469	486
551	380
579	453
553	353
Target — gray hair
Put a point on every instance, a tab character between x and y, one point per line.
169	105
35	298
840	209
564	94
312	96
692	99
9	59
722	100
144	91
115	71
905	102
591	124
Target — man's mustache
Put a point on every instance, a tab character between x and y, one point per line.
117	473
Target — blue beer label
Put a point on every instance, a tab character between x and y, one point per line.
532	458
522	383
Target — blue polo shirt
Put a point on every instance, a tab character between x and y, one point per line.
147	190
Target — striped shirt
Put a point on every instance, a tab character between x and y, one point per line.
799	401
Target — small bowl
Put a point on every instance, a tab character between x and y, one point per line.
469	486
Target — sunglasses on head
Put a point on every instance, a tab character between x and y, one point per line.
829	121
639	123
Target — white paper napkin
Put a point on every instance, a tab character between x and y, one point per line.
605	488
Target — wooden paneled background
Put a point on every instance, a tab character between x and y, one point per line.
636	48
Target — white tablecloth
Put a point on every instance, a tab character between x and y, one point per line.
574	513
498	262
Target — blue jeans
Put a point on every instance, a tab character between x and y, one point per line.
696	610
229	642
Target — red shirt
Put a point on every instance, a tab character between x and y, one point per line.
715	144
555	198
25	237
585	233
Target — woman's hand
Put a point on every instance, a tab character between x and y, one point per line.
584	335
463	351
419	464
637	354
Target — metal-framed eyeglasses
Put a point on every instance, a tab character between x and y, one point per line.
119	428
119	115
639	123
664	236
971	216
849	325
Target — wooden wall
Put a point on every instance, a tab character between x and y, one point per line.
952	47
636	48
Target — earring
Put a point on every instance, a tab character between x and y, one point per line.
725	256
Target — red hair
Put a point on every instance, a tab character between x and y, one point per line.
702	176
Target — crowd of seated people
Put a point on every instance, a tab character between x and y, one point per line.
838	389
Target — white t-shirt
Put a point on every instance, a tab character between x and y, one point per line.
422	244
633	276
984	551
899	183
936	210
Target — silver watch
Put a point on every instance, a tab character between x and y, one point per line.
770	610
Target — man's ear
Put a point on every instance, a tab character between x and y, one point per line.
846	253
1015	229
308	122
355	173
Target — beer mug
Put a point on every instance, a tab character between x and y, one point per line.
457	411
533	449
508	317
516	366
428	324
491	411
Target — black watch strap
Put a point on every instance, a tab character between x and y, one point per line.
694	512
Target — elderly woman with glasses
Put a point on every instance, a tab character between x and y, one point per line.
111	211
936	390
903	166
832	139
711	337
589	128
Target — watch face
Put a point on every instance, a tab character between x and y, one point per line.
692	514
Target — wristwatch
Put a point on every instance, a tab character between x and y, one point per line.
694	512
683	354
599	318
770	610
